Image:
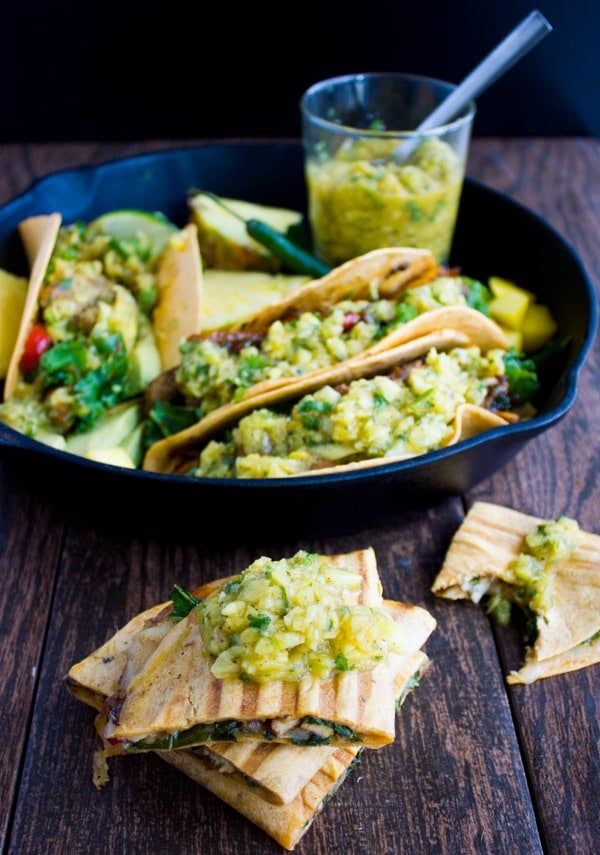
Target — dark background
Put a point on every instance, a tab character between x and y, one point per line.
133	70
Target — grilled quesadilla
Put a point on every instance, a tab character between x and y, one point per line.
550	569
294	651
279	787
278	771
288	822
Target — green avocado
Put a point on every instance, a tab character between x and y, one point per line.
132	444
109	431
144	366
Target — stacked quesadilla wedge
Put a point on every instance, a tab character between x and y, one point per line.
278	785
549	568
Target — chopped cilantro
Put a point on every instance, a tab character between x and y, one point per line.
341	663
260	621
183	602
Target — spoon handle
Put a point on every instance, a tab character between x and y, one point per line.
526	35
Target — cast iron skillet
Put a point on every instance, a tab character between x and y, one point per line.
494	236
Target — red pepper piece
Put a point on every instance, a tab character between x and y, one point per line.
37	342
350	320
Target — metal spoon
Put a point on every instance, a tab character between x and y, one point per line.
525	36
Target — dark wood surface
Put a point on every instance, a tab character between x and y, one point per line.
477	766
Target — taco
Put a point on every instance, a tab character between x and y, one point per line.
389	302
425	394
107	305
279	787
367	305
548	569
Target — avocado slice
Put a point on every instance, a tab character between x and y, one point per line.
144	365
109	431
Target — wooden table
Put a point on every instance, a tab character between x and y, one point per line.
477	766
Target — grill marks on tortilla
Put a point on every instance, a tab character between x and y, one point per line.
279	787
489	538
175	690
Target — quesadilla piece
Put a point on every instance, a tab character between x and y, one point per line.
288	822
442	330
280	788
549	568
177	700
278	772
38	235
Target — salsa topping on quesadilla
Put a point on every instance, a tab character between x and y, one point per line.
548	568
286	619
528	576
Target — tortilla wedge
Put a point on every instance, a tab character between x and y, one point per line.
198	707
281	788
38	235
568	632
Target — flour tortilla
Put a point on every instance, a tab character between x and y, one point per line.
385	272
489	538
178	312
443	329
179	283
176	692
287	823
38	235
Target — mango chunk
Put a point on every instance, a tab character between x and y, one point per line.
514	337
510	309
500	287
538	327
510	302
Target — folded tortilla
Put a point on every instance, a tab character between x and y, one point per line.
440	329
281	788
178	311
568	631
386	272
38	235
176	316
